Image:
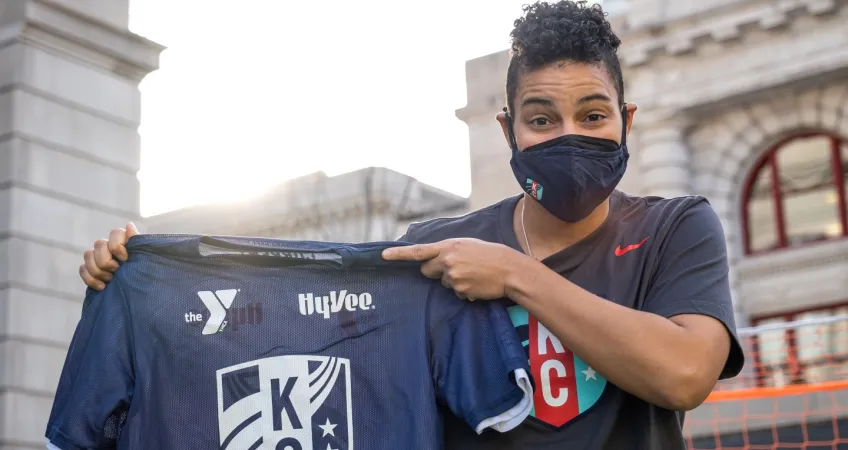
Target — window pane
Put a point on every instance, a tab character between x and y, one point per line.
839	345
773	351
762	226
844	150
814	342
809	194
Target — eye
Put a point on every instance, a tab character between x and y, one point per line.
540	121
595	117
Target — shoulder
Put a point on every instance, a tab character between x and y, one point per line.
481	224
667	225
660	217
639	209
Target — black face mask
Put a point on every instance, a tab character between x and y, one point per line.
570	175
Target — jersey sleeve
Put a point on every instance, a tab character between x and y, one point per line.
480	370
406	236
692	276
96	384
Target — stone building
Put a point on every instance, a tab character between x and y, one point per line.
743	101
373	204
69	114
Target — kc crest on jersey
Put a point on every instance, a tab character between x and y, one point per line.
290	402
565	385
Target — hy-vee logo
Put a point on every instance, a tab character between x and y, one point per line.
334	302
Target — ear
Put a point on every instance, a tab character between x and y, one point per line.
631	111
501	117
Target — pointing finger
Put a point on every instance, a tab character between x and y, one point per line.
419	252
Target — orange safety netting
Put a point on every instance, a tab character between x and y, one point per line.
793	393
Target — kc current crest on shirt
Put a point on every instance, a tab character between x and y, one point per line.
566	386
292	402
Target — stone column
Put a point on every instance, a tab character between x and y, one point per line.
69	154
491	175
663	159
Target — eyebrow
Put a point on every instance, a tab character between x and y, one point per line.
536	101
583	100
594	97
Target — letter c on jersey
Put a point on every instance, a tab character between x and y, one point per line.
562	396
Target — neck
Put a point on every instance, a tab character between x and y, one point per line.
547	233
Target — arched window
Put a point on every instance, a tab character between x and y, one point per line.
796	194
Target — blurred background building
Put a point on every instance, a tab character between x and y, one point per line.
742	101
69	113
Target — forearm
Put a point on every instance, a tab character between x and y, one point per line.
613	339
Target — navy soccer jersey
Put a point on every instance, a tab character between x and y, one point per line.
237	343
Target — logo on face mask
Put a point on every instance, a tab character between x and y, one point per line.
534	189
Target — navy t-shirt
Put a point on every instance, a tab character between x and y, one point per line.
235	343
663	256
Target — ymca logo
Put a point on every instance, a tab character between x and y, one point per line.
334	302
533	188
292	402
220	313
567	386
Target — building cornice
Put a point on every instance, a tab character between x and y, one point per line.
317	197
55	27
791	260
685	35
711	77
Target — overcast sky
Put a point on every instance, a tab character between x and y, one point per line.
254	92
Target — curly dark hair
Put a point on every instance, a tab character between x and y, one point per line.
563	31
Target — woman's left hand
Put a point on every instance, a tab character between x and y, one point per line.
474	269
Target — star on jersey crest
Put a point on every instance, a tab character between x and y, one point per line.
590	374
328	430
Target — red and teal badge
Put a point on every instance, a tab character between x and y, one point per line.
534	189
565	385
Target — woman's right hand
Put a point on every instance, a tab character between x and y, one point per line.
102	260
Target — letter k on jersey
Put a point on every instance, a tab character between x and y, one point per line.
565	386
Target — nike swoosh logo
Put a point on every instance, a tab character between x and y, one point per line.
620	251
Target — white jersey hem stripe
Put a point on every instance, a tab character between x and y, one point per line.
514	416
